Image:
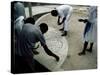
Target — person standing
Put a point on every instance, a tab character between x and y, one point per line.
19	16
64	13
90	30
17	22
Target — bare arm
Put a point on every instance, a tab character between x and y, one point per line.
59	23
83	20
50	53
43	43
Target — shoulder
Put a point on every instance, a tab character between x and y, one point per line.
29	26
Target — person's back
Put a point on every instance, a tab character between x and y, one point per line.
64	10
29	35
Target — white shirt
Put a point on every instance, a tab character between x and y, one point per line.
64	10
91	35
92	14
18	24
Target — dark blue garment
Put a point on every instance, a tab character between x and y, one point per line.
87	28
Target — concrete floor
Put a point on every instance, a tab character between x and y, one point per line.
75	62
75	43
58	45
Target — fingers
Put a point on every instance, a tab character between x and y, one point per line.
80	20
57	58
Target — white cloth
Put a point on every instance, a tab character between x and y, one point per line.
18	24
92	14
91	35
65	11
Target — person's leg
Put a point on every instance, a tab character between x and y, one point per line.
34	66
65	25
84	48
30	63
91	46
39	67
20	65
